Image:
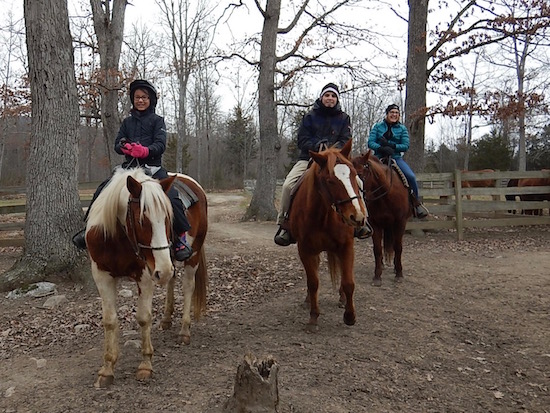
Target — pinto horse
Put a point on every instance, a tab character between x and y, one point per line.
128	234
325	209
389	208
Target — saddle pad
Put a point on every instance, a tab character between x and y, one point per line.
400	173
186	194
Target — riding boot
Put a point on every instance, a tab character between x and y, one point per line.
282	237
79	239
419	210
363	232
182	249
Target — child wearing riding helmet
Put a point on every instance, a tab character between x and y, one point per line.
142	140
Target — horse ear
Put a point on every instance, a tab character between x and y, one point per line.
319	159
133	186
346	149
166	183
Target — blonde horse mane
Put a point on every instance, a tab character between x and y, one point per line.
111	205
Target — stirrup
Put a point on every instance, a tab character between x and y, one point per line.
420	211
182	251
79	239
282	237
363	232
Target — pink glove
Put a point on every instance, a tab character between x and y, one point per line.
139	151
126	149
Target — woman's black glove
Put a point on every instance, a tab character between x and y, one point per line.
386	151
384	142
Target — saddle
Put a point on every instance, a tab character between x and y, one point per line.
185	194
393	165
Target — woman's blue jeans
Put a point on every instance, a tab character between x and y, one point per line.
409	174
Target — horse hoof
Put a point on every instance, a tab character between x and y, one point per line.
143	374
377	282
349	319
312	328
184	340
165	325
398	278
104	381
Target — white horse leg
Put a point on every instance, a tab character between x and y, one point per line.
106	285
144	316
188	286
166	321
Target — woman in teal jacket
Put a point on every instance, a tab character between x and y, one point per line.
391	138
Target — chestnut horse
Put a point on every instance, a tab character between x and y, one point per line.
389	208
481	183
128	234
325	209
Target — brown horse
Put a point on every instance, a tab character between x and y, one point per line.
325	209
128	235
524	182
481	183
389	208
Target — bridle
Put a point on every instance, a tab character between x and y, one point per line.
380	191
132	235
336	204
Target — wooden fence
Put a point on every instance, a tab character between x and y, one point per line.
447	202
445	197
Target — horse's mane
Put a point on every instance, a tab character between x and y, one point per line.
112	203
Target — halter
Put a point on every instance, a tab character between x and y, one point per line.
132	236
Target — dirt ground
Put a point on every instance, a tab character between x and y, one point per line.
467	331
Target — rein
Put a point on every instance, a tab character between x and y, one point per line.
132	236
380	191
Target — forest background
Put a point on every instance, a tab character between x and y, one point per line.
472	74
481	102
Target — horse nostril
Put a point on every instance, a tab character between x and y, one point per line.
157	275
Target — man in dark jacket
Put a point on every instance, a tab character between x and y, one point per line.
142	139
324	126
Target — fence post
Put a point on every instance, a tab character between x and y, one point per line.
458	205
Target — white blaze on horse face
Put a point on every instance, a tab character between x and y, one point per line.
343	173
163	262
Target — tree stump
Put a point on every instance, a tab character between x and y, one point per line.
256	387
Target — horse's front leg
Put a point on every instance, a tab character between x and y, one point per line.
106	286
347	283
144	316
188	286
311	267
166	321
378	256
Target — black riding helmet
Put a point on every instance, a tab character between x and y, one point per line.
144	84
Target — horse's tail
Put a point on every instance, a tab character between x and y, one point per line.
201	283
334	268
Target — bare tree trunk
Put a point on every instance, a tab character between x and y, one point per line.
470	114
417	79
53	205
262	205
109	30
